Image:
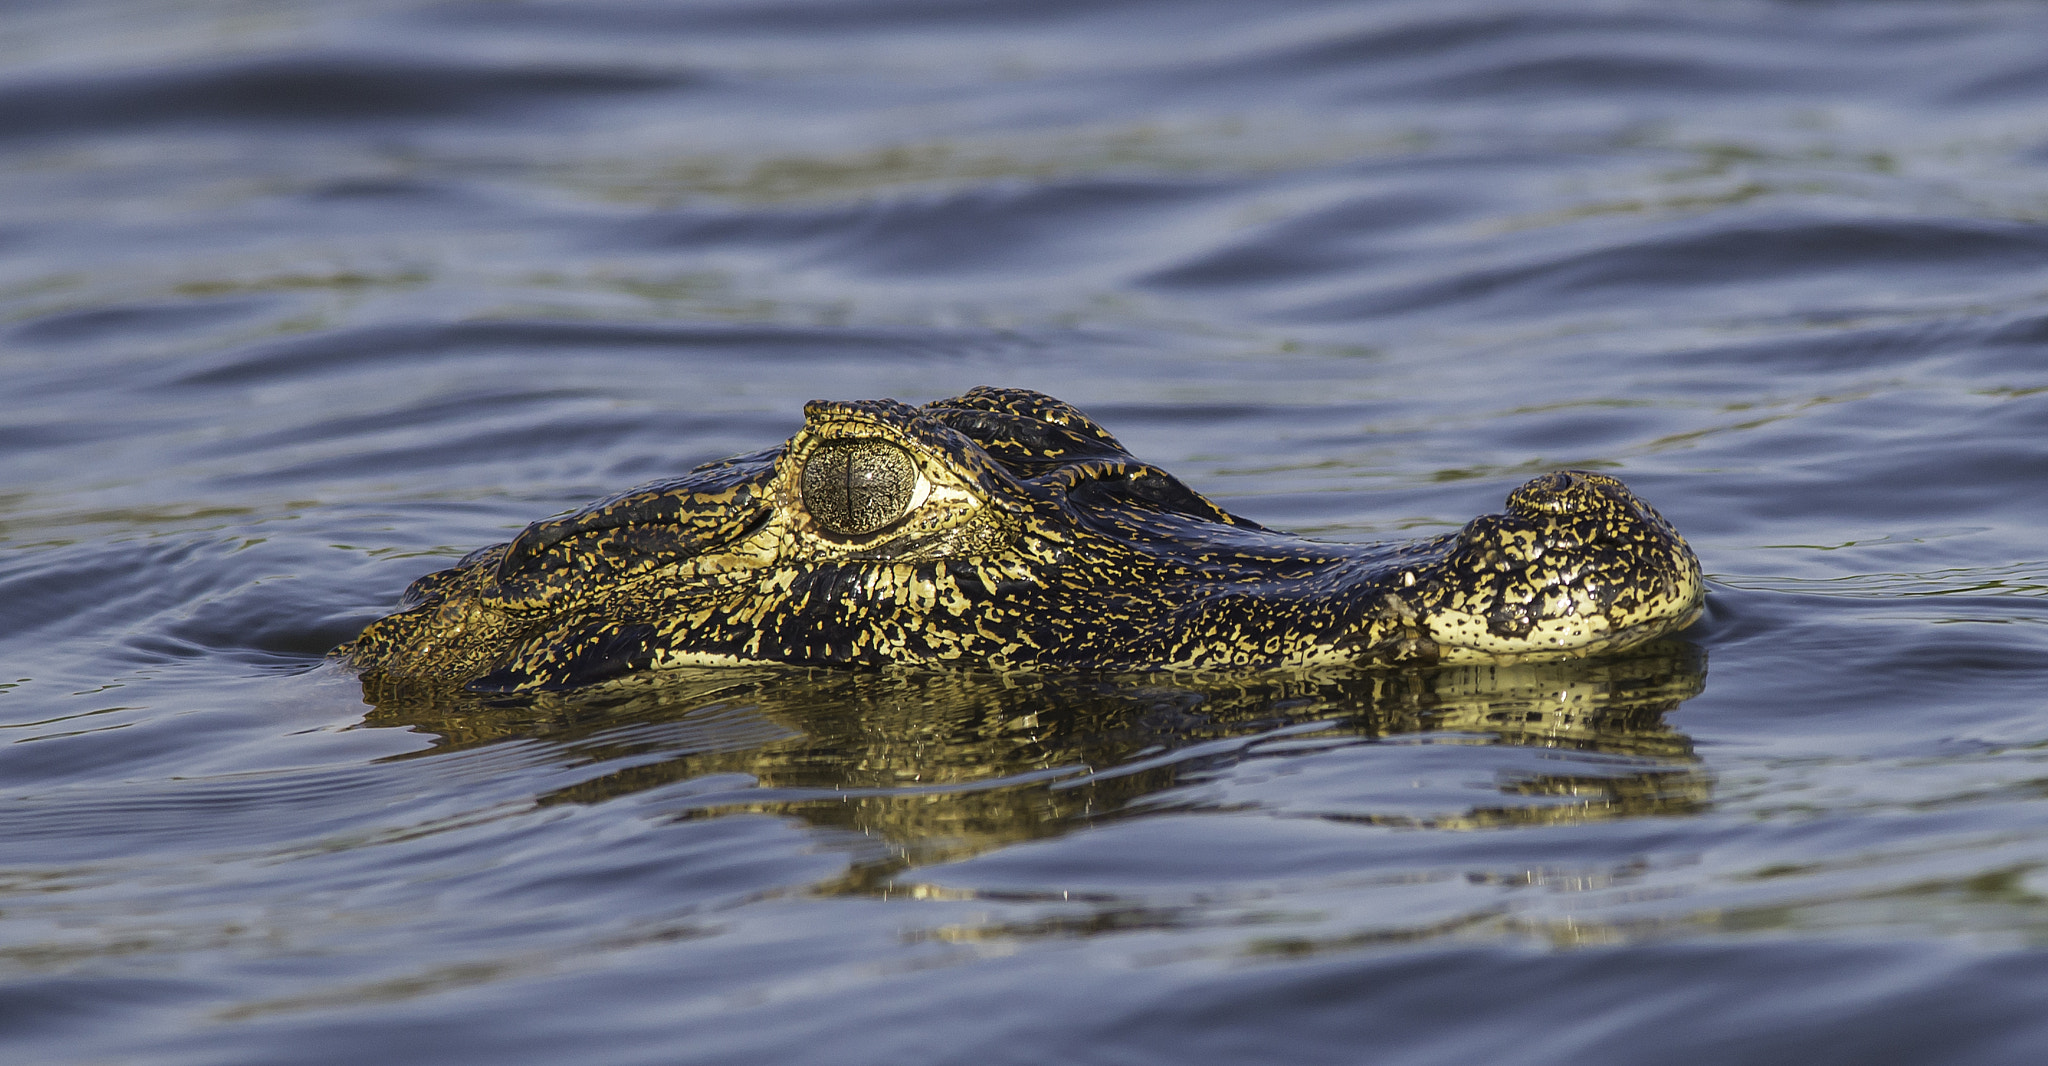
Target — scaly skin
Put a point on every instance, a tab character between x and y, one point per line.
1028	539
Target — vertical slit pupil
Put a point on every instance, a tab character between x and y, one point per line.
857	487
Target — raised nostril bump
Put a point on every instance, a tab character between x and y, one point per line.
1554	493
1567	492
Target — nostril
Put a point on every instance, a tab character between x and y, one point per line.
1554	493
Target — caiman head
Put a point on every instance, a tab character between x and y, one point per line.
1004	530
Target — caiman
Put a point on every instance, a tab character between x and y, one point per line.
1004	530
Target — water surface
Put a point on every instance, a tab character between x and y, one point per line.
299	301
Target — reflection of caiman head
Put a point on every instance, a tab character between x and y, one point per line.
945	764
1004	530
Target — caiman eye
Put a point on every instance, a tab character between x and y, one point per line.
858	486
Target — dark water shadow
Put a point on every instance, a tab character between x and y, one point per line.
307	88
934	767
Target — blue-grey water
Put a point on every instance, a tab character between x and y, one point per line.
301	299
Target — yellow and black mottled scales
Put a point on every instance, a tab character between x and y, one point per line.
1005	530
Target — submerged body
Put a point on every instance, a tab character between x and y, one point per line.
1004	530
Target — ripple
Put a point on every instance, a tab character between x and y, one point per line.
108	324
301	89
1743	255
344	351
2023	579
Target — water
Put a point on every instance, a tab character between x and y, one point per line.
301	300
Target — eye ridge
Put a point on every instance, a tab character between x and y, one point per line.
855	487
